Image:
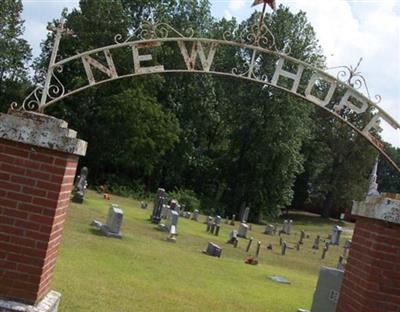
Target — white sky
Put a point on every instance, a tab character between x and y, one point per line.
347	30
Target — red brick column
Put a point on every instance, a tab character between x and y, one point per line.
372	277
36	179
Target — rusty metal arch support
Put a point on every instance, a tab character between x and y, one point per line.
198	56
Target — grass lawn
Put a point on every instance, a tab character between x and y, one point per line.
143	272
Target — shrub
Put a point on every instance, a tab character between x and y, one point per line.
185	197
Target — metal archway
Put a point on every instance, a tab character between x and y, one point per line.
198	54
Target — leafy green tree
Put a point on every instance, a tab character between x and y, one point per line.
127	129
339	169
15	54
388	178
268	126
233	143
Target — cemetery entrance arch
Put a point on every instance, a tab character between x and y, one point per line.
39	154
290	75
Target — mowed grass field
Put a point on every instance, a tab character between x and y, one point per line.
144	272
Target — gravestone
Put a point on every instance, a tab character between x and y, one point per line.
346	248
340	265
258	249
143	205
172	220
217	227
279	279
172	234
113	223
157	207
245	215
326	294
233	220
164	211
232	237
217	220
243	228
249	244
195	215
80	186
316	242
324	251
302	236
289	229
212	227
285	226
213	250
284	247
114	218
335	236
269	229
174	205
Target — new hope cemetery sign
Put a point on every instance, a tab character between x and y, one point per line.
291	75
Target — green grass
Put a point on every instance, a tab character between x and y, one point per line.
144	272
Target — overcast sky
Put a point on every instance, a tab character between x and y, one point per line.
347	30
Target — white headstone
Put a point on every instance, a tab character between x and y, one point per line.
114	218
326	294
289	227
243	228
269	229
173	219
285	227
335	237
232	235
245	214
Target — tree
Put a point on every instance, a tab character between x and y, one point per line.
127	129
388	179
15	54
268	126
339	163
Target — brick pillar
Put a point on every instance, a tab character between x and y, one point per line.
372	277
38	160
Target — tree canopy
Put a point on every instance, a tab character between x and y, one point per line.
15	54
227	142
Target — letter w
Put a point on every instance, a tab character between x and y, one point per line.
197	49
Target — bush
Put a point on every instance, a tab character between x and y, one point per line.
185	197
125	189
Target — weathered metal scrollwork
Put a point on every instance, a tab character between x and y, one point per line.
257	36
352	76
31	102
152	30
